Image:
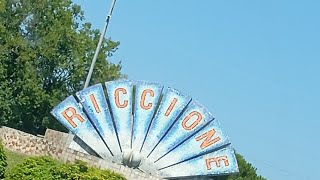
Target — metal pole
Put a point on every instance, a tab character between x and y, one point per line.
99	44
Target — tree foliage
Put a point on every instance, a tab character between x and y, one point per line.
45	52
247	171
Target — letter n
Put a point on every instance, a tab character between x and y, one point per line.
208	139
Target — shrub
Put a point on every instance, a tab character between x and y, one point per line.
32	168
81	171
45	168
3	161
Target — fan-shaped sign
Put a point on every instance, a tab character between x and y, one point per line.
143	125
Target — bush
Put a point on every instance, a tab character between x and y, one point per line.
3	161
81	171
45	168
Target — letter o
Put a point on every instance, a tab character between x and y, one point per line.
195	123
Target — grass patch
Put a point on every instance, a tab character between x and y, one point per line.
14	158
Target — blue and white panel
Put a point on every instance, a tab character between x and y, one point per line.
95	105
172	104
192	119
208	139
70	114
120	99
146	101
148	126
216	163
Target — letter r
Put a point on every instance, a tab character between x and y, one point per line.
66	114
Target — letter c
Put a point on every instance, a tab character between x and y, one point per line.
117	98
143	98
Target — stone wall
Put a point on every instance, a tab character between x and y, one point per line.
56	144
58	138
29	144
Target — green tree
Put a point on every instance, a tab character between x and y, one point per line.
247	171
45	52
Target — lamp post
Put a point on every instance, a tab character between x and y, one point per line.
86	84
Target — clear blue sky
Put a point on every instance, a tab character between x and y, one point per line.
254	63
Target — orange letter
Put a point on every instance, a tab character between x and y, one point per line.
117	99
95	104
217	161
194	124
143	98
73	115
173	103
208	142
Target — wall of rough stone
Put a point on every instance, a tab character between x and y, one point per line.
29	144
56	144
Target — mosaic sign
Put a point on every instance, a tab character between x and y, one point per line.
147	126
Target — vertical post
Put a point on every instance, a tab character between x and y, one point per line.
99	44
86	84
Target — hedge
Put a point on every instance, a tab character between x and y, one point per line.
3	161
45	168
